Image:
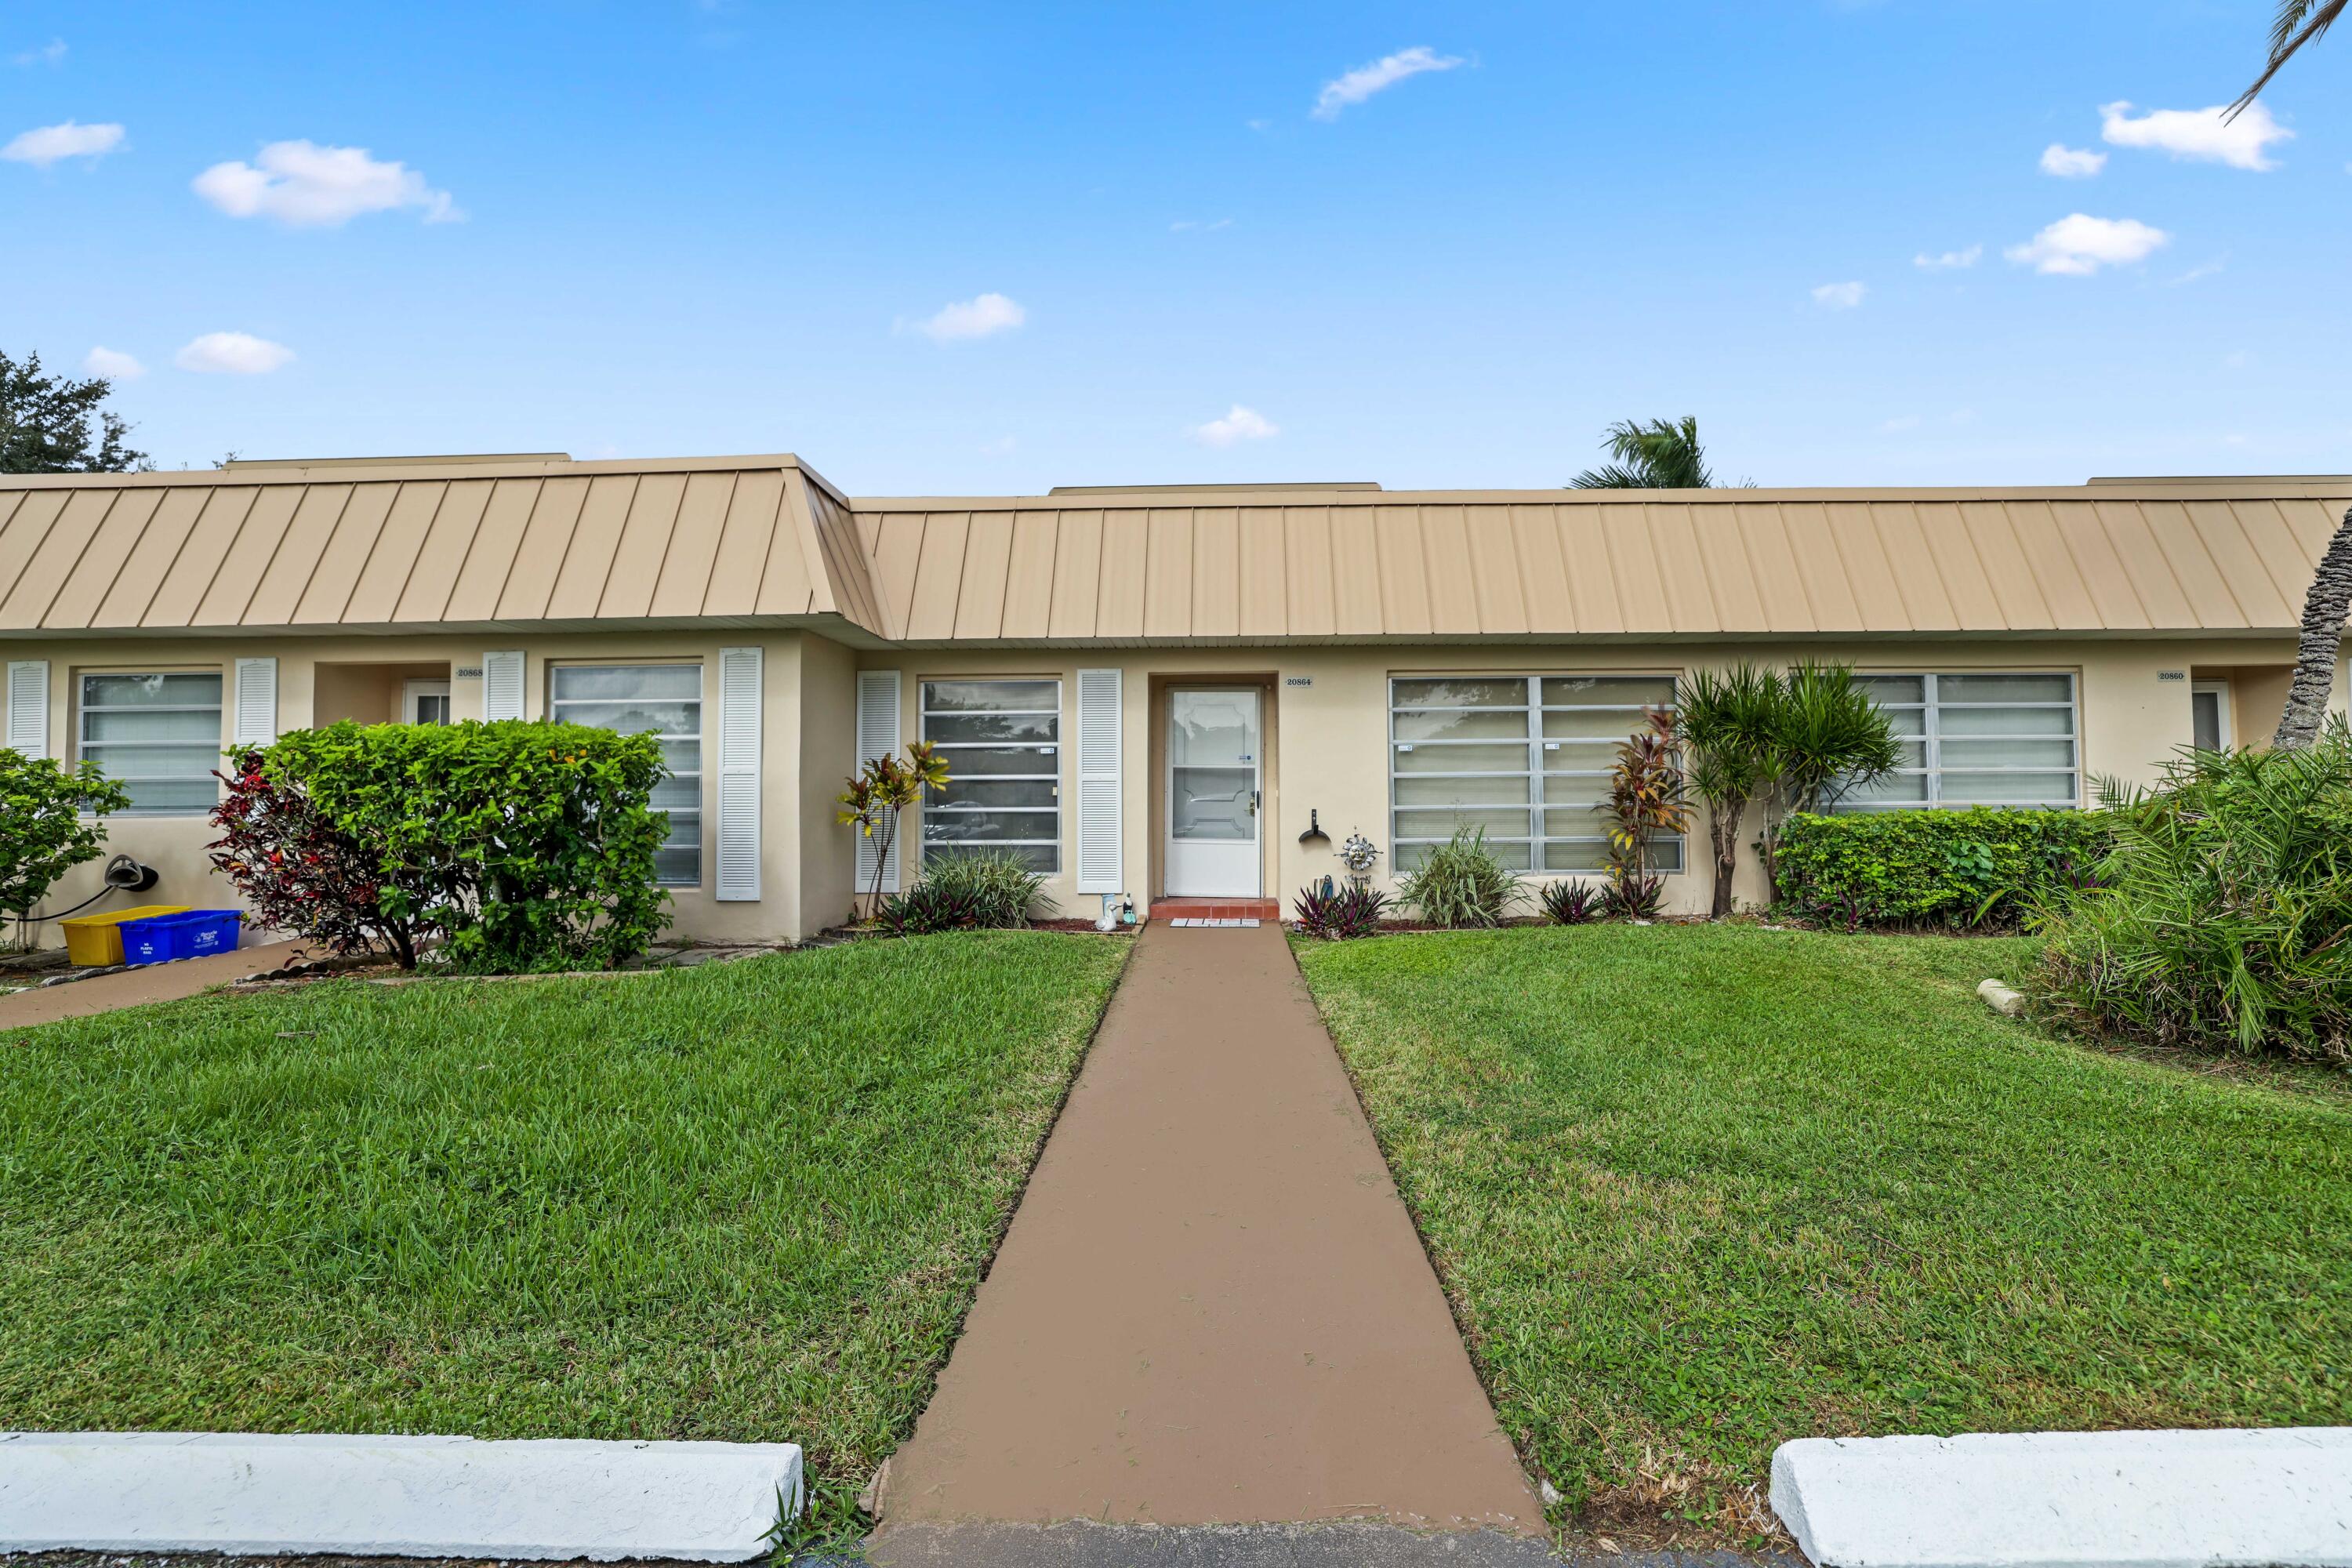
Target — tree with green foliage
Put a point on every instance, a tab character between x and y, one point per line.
49	823
46	424
2329	600
1725	724
1651	454
1785	743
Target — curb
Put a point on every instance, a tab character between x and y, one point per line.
392	1496
2071	1500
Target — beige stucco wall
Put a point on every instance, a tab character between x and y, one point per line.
1326	746
802	890
1329	746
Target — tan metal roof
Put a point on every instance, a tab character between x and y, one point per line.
412	543
1399	566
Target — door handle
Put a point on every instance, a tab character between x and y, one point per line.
1253	803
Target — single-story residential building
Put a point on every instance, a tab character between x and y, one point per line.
1155	692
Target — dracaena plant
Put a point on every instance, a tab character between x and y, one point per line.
1647	795
880	792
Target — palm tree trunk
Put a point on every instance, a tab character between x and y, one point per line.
2324	610
1722	833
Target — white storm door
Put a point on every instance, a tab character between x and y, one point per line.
1213	774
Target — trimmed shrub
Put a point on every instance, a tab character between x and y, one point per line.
527	845
985	890
1934	867
1570	903
42	832
1341	914
2227	925
1460	884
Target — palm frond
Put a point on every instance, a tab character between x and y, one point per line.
1651	455
2298	22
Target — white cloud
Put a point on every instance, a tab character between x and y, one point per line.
1186	225
233	354
113	364
1839	296
982	316
2077	246
1383	73
2202	134
2071	163
308	186
1947	260
49	54
48	143
2203	270
1241	425
1003	447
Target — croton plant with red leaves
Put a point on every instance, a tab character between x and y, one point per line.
297	872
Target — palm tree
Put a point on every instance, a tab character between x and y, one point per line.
1655	455
2297	23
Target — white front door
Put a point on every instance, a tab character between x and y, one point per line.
1213	775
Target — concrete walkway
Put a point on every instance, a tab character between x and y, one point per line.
1212	1306
134	987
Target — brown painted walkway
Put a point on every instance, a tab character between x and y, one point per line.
135	987
1212	1305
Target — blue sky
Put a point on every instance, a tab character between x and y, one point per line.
670	228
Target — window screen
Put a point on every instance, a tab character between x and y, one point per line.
664	700
1002	741
1986	739
1527	758
159	734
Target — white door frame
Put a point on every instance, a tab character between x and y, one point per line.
410	690
2220	692
1202	870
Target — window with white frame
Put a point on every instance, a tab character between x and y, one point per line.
664	700
159	735
1985	737
1527	758
1002	743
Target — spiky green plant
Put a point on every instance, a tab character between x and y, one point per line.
2226	923
1461	883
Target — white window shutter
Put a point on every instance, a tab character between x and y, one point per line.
1098	804
739	774
256	702
28	707
502	685
877	736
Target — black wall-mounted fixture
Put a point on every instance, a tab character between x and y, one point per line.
129	875
1314	829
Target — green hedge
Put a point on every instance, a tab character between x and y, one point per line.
1933	868
526	846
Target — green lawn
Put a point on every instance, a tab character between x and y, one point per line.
750	1201
1698	1189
